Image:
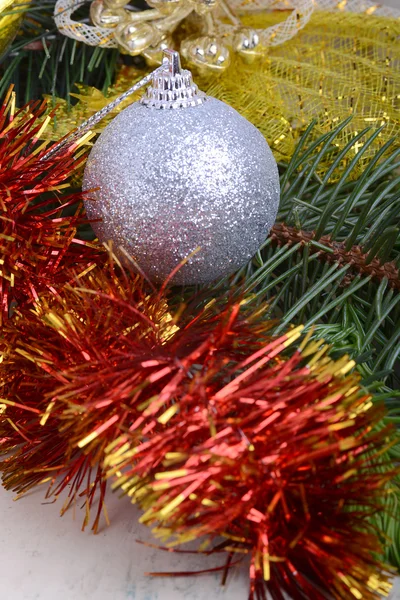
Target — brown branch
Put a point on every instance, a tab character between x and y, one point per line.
283	234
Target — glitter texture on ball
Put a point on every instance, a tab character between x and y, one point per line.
167	182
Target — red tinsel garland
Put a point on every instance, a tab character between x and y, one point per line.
279	455
213	427
37	227
77	367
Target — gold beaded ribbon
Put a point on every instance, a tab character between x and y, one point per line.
218	30
150	32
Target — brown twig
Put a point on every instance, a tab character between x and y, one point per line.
283	234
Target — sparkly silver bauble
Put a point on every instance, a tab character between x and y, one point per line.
193	175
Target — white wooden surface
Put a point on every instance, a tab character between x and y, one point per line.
46	557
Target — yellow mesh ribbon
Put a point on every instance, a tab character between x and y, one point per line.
339	65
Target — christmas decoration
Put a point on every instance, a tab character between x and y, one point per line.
78	368
274	452
115	380
330	71
217	30
38	229
211	30
91	346
211	185
65	383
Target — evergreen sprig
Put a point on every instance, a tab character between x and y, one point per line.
302	276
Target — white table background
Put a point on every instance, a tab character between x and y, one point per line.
47	557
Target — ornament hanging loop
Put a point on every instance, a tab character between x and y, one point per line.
171	68
172	60
172	87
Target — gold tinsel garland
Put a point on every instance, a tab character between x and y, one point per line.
11	15
339	65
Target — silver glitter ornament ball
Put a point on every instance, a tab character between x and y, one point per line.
172	176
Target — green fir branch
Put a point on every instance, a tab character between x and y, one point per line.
337	267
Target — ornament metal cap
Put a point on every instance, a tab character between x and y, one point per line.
172	86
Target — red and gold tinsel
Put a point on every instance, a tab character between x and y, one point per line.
77	367
278	454
69	365
39	219
213	426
